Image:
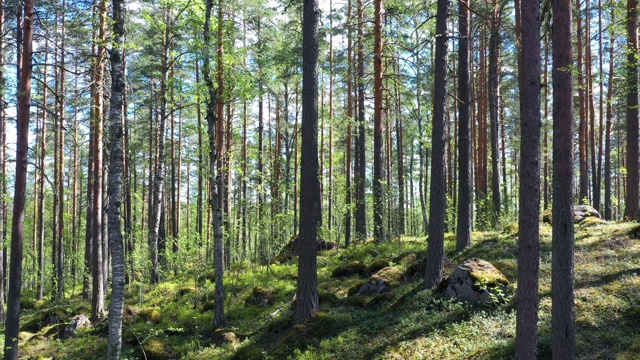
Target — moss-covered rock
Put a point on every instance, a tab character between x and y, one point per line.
349	269
377	265
208	305
25	335
150	315
476	281
186	290
382	281
223	337
155	349
359	300
327	298
260	296
249	352
353	290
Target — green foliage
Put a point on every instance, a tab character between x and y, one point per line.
401	323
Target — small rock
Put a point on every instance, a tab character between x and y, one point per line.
77	322
289	251
382	281
476	281
260	297
223	337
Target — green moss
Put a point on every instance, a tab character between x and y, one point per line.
359	301
249	352
349	269
150	315
377	265
186	290
389	275
327	298
155	349
353	290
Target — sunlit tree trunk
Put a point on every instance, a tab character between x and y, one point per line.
116	165
437	200
12	327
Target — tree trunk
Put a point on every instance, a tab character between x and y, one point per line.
361	168
465	184
529	193
378	191
214	173
17	225
583	128
97	291
116	164
307	290
562	296
633	179
349	139
3	171
438	201
494	47
608	211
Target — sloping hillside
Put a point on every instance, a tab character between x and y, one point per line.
175	319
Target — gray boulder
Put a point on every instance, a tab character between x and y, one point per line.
476	281
77	322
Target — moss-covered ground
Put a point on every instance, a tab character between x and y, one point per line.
174	320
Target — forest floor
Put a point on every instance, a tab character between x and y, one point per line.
174	320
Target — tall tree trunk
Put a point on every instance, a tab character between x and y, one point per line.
349	139
214	173
59	230
465	182
563	309
583	128
632	202
494	48
307	290
97	298
438	200
3	170
116	164
42	177
400	158
378	191
529	207
17	226
360	175
608	211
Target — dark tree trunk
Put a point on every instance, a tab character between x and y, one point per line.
438	201
116	164
632	211
465	183
307	289
563	309
17	223
529	216
494	47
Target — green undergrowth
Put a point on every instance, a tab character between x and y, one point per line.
174	320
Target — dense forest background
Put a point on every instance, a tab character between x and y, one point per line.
377	78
